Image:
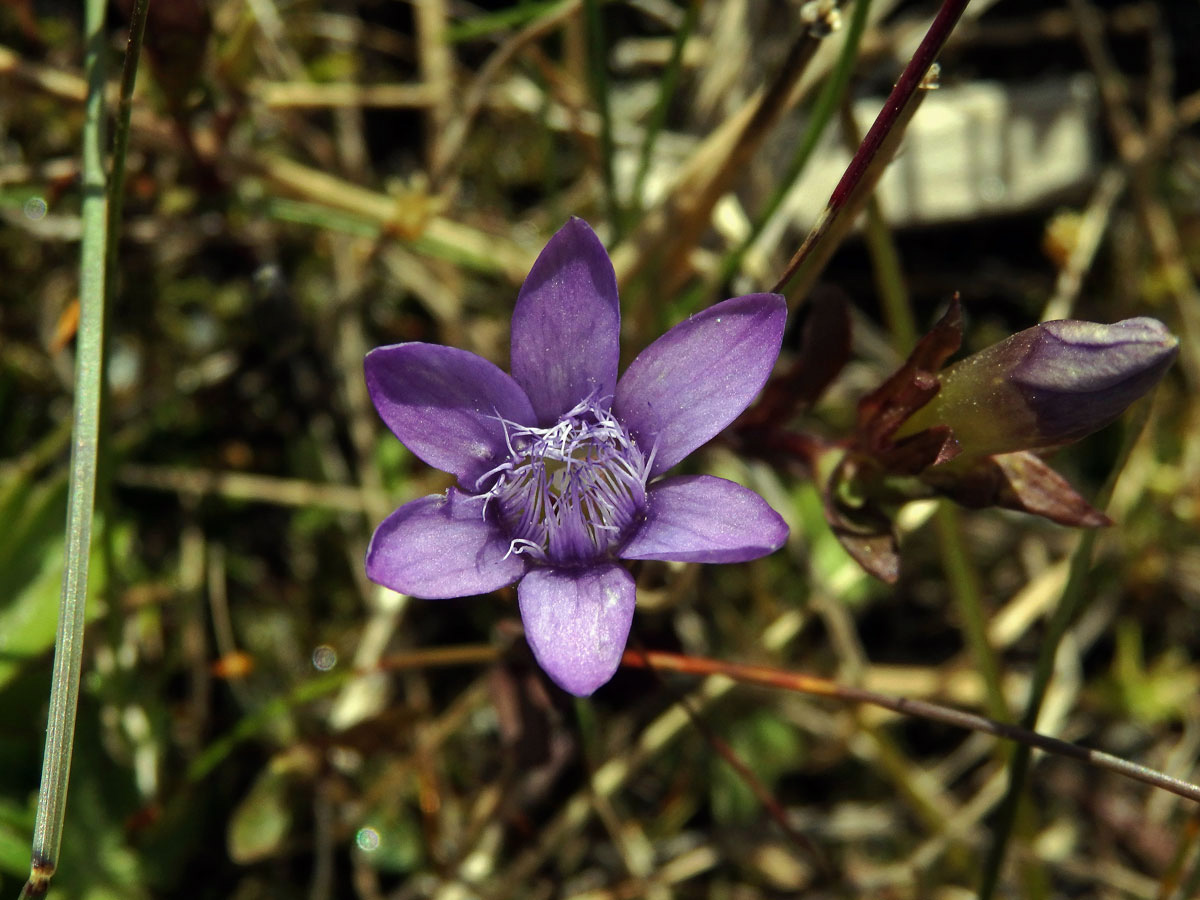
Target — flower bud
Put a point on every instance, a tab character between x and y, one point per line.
1049	385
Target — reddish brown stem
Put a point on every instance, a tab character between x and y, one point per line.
901	96
823	687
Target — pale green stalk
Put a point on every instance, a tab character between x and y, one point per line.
95	256
831	94
1070	605
968	597
597	64
666	90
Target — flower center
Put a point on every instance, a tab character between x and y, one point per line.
571	493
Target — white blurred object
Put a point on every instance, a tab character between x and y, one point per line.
971	151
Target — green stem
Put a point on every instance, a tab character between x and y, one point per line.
964	584
598	76
823	109
68	647
1070	605
100	213
885	259
666	90
893	295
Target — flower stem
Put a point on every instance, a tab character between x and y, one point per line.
823	109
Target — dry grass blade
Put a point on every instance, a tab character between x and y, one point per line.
670	231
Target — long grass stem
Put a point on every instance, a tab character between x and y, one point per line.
598	76
873	153
1072	602
100	213
68	647
832	92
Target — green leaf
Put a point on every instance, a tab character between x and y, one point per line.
15	825
31	560
768	747
263	819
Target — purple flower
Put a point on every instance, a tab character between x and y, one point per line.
556	465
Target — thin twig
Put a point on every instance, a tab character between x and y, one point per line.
747	776
822	687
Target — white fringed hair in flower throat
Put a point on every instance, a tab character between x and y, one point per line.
570	493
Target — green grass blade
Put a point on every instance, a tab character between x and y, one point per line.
666	91
822	112
96	255
489	23
1070	605
598	76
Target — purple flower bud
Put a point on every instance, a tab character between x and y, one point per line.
1049	385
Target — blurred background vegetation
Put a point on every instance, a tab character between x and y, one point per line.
308	180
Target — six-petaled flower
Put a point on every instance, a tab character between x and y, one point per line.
558	465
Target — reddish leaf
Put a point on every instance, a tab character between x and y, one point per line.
915	453
913	385
1020	481
864	531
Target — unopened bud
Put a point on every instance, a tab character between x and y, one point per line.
1049	385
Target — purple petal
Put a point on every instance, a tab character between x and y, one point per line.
695	379
441	546
577	622
699	518
445	405
566	325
